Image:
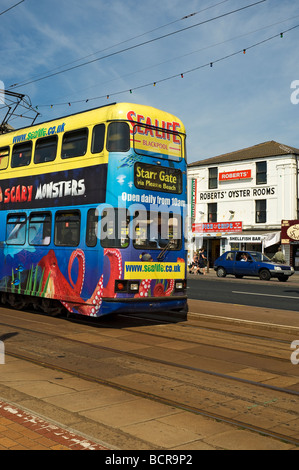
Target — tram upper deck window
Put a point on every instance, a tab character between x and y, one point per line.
21	155
4	156
118	139
67	228
45	149
74	144
16	229
98	138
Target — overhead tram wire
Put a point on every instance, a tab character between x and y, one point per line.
182	74
128	40
10	8
193	52
150	41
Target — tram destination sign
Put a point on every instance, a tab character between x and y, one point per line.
157	178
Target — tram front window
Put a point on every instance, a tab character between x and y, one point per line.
154	230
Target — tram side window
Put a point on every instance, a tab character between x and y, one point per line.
40	229
21	155
67	228
4	156
115	228
92	228
45	149
74	144
98	138
16	229
118	139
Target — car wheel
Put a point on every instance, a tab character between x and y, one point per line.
221	272
283	278
239	276
265	275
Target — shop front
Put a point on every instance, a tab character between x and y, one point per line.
215	244
266	243
290	241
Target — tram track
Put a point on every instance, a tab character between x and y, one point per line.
167	363
180	406
180	366
180	374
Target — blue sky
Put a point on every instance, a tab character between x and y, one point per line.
240	101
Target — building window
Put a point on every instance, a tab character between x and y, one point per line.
261	173
212	212
261	211
213	178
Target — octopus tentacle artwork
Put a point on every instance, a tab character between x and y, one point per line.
77	254
69	293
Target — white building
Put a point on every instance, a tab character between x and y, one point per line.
238	200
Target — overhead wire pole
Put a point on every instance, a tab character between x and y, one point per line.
16	105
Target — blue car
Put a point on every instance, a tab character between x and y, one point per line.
251	263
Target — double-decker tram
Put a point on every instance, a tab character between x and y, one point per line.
92	213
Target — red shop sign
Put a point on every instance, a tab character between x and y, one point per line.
217	227
235	175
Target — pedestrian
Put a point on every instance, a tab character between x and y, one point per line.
279	257
194	265
202	261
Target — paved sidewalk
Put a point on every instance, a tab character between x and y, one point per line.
21	430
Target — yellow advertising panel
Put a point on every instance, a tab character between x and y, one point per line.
152	270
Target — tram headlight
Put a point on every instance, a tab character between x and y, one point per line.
134	286
126	287
179	286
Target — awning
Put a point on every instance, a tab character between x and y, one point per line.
267	239
271	239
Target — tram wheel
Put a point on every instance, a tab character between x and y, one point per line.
16	301
51	307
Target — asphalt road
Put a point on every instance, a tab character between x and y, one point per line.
246	291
